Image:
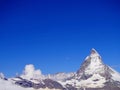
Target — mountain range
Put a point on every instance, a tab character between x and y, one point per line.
93	74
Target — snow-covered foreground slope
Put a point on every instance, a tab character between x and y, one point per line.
8	85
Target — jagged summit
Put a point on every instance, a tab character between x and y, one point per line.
94	53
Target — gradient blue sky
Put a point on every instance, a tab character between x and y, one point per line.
56	35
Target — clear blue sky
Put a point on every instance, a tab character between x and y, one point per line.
56	35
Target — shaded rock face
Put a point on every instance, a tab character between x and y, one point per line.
24	83
47	83
70	87
52	84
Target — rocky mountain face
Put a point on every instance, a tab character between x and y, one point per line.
46	83
93	66
92	75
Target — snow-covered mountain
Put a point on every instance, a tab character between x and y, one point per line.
9	85
32	78
60	76
92	75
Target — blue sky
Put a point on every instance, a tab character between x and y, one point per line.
56	35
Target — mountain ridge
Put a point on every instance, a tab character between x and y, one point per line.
93	74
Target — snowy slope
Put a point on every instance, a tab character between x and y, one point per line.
115	75
8	85
60	76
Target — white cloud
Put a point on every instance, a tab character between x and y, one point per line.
30	72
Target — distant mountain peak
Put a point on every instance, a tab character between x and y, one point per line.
92	64
94	53
93	49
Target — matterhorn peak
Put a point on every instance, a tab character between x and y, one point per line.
92	64
94	53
